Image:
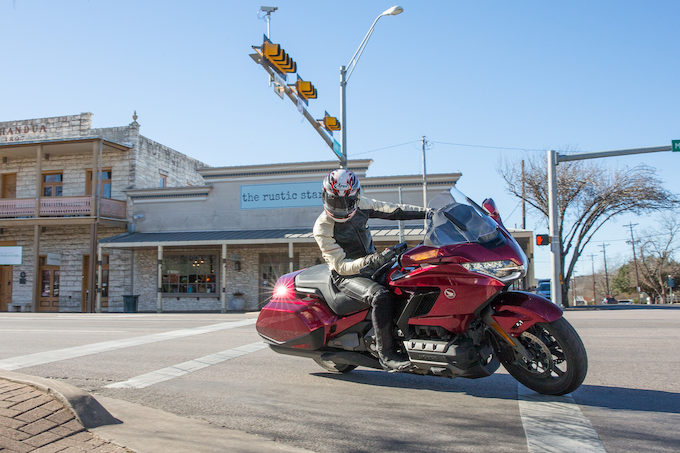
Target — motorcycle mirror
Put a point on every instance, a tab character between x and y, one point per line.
490	206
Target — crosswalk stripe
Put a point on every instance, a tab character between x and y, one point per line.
175	371
555	424
40	358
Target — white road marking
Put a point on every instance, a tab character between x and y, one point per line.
175	371
555	424
41	358
62	330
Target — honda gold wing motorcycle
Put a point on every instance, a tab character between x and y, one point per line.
456	314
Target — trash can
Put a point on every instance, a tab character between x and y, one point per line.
130	303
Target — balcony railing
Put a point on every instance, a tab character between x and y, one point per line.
60	207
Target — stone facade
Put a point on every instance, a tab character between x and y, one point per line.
137	164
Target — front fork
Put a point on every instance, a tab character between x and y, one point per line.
513	312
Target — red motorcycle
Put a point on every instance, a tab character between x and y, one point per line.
456	314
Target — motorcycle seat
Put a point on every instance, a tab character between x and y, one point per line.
317	280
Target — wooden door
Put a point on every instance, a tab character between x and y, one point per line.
48	296
5	287
9	185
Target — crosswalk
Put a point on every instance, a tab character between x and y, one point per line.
190	366
41	358
550	423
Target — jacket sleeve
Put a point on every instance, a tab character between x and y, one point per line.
332	253
391	211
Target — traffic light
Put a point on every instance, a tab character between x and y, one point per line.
305	89
542	239
278	57
331	123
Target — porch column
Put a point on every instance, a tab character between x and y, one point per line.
92	268
290	257
223	279
38	180
95	167
159	300
36	268
99	279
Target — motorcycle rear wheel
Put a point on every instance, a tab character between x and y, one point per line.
333	367
558	362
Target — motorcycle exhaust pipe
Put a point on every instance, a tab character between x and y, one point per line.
351	358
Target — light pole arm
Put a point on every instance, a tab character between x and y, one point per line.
355	58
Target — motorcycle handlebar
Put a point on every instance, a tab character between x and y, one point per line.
390	254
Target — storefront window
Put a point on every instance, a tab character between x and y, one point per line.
190	274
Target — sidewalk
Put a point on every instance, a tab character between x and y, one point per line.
46	416
34	420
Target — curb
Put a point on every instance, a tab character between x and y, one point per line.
89	412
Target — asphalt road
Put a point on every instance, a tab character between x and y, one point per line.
220	374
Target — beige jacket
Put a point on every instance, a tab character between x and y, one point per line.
334	255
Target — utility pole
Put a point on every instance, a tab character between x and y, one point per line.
424	143
606	273
592	262
632	242
524	208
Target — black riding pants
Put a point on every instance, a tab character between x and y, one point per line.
371	293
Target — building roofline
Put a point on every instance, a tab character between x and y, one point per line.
66	140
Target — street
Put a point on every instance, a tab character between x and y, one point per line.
213	367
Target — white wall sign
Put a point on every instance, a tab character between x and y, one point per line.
10	255
283	195
53	259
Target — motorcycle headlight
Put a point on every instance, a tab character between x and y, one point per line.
505	270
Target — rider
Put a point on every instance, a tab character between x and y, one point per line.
347	247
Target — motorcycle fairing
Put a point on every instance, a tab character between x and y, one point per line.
516	311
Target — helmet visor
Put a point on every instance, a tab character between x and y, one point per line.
340	206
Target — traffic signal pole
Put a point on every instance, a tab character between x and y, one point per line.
259	59
553	160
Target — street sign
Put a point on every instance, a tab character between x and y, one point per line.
337	149
675	145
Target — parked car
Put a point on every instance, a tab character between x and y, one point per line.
625	301
543	288
609	300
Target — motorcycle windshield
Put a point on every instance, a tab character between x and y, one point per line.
455	219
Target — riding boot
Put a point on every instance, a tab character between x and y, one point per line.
382	323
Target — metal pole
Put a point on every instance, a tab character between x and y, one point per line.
555	247
592	263
401	222
606	273
424	178
343	115
524	208
637	276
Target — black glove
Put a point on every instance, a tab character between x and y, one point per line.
375	260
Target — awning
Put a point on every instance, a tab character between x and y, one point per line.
242	237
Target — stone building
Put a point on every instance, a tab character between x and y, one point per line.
62	189
223	245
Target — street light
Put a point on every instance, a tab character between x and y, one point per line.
346	72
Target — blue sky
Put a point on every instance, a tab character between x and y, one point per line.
580	75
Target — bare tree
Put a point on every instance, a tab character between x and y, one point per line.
588	195
656	257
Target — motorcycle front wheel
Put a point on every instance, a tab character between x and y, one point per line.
333	367
557	362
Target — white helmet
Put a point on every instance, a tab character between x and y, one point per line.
341	191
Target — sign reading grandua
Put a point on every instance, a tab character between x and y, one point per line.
284	195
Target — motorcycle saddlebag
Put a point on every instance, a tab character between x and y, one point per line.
292	320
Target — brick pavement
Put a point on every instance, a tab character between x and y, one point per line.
34	421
